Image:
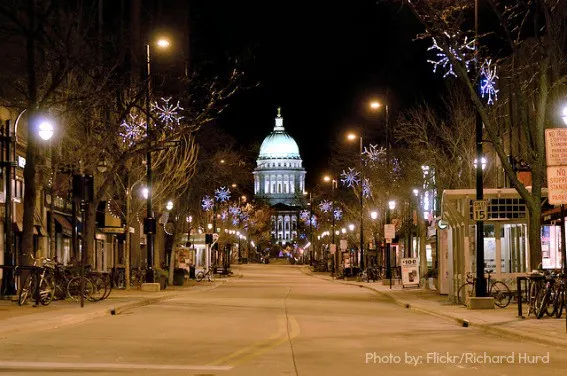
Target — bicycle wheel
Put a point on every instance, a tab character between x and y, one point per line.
464	292
99	287
46	289
74	288
532	298
559	301
501	294
27	289
541	302
199	277
108	284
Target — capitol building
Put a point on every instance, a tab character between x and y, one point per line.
279	180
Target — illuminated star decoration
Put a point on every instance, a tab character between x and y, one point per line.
374	153
235	221
168	113
326	206
304	215
460	52
224	215
488	82
133	129
338	213
234	210
207	203
312	222
366	191
350	178
222	194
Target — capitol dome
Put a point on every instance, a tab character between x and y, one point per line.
279	144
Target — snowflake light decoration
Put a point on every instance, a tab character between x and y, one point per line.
350	178
488	82
224	215
366	191
304	215
302	236
235	221
374	153
207	203
133	129
311	222
338	214
222	194
326	206
167	113
460	52
234	210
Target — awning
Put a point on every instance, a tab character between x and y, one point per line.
18	219
66	228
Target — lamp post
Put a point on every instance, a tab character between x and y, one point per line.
391	206
353	137
333	186
416	194
150	220
311	250
480	287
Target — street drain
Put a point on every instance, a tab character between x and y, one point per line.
465	324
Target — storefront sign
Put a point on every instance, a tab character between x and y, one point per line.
410	274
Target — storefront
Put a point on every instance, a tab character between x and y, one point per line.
506	249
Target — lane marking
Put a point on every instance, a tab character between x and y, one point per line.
260	344
294	332
60	365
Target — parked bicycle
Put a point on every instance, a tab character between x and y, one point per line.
496	289
550	299
208	273
46	283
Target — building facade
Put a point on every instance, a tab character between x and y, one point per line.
279	180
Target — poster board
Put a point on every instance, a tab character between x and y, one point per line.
410	273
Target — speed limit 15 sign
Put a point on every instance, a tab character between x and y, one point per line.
479	210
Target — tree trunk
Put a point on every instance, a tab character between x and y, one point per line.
89	233
422	250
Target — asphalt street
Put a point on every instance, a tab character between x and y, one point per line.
275	320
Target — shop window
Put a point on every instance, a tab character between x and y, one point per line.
551	247
513	248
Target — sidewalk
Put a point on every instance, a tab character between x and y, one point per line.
503	322
15	320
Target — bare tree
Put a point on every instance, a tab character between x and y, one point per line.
529	44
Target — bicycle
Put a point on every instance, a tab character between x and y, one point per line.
496	289
46	283
209	274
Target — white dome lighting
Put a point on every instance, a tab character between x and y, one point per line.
279	144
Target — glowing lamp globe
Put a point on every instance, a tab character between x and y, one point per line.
45	130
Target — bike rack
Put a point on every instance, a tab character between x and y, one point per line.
16	269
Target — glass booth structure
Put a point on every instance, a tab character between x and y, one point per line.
506	249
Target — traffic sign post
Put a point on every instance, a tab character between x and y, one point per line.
389	232
480	210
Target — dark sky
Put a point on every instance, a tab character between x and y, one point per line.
320	61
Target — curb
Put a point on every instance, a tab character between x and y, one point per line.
487	328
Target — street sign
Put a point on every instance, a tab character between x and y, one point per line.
557	185
556	146
389	232
479	210
343	245
333	248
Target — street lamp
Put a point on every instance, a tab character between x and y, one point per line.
333	186
351	137
391	206
169	205
150	220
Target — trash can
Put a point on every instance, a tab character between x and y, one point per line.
192	272
179	277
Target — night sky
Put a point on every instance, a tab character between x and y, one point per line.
320	61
